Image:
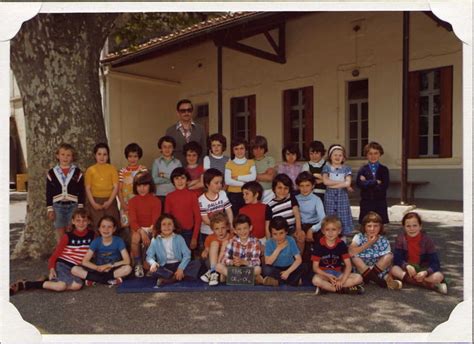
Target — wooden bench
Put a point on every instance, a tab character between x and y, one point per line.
411	187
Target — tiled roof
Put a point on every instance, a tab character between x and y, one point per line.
204	27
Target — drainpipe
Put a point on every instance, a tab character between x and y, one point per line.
405	132
219	89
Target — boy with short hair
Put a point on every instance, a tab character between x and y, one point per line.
315	166
213	246
242	249
255	209
133	153
192	152
332	261
184	206
163	166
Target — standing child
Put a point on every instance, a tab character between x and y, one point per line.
255	209
282	256
237	172
332	262
265	166
68	253
111	259
290	165
64	189
242	250
183	204
133	154
315	166
373	180
101	181
192	152
168	255
144	210
371	253
285	204
217	144
337	177
213	201
213	246
163	166
311	210
416	261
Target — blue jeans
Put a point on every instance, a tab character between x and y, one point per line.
190	272
63	213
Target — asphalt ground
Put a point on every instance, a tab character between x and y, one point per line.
100	310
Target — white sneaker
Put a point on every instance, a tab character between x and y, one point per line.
214	280
206	277
139	271
393	283
442	288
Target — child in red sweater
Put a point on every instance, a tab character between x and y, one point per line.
143	211
184	206
69	252
255	209
193	151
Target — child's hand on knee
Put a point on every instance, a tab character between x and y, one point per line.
154	267
284	275
419	277
179	274
52	274
309	235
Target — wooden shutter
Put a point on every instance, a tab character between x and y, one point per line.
308	108
252	100
413	113
286	117
446	112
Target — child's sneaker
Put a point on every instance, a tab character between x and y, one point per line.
115	281
206	277
441	288
357	289
411	270
214	279
139	271
273	282
89	283
393	283
318	291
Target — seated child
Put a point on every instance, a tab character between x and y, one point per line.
68	253
216	159
416	261
184	206
144	209
214	200
265	166
163	166
192	152
168	255
371	253
133	154
285	204
282	256
213	246
255	209
242	250
111	259
315	167
332	262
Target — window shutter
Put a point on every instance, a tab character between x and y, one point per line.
253	116
446	112
286	117
308	108
413	114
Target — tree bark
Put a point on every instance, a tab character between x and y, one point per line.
55	59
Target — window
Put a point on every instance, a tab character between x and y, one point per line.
430	113
358	115
298	117
243	117
202	117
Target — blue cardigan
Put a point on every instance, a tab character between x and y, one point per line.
156	253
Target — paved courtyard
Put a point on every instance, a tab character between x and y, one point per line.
100	310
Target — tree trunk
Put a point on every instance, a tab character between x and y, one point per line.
55	59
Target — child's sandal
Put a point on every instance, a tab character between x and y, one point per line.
17	286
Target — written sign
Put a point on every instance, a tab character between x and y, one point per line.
240	275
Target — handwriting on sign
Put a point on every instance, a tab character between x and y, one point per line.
240	275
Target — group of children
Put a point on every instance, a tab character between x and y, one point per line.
287	221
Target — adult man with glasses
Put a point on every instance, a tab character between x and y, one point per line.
186	130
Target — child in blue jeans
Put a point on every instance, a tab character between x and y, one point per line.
168	255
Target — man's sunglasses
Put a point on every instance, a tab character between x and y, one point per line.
190	110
